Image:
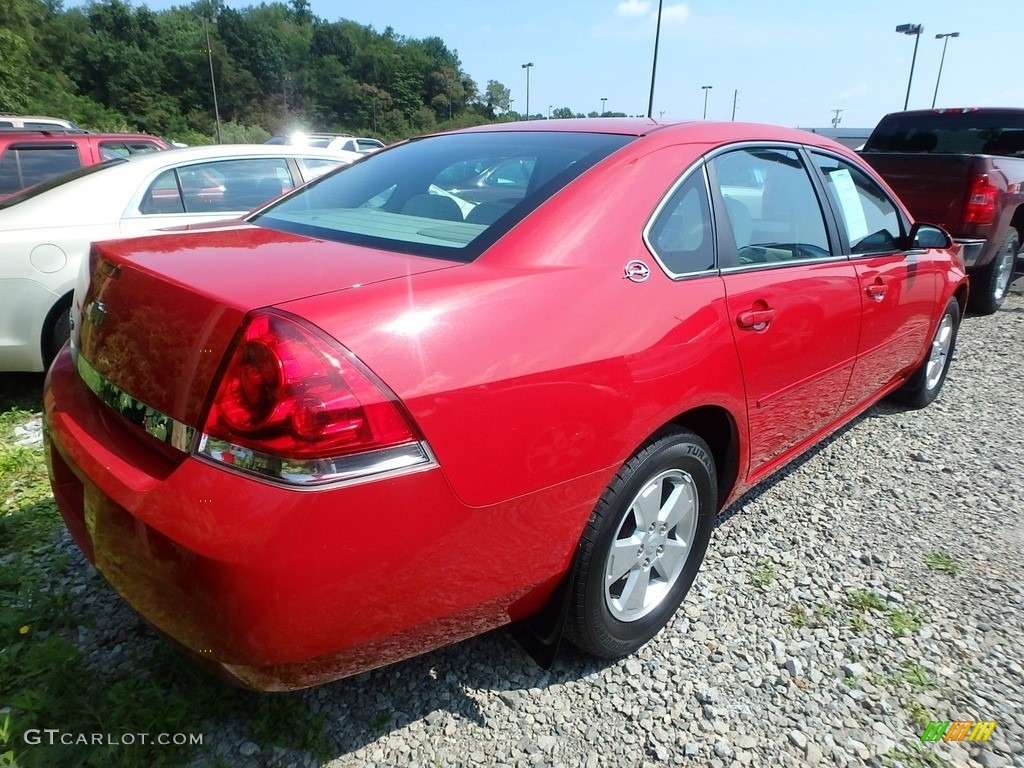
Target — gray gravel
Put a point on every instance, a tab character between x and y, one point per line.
773	658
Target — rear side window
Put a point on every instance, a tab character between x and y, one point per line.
23	165
681	234
771	206
225	186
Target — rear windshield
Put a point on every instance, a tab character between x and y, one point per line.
445	196
964	133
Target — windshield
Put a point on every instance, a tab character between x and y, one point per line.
970	133
56	181
447	196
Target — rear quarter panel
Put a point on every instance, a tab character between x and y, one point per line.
539	363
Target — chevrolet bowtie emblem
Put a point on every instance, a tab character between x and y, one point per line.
96	312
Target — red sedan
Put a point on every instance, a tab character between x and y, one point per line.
373	418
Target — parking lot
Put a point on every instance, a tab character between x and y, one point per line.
870	588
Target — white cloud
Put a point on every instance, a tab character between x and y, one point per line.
633	8
674	14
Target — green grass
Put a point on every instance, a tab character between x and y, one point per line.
915	677
913	756
862	600
902	623
763	575
940	560
48	683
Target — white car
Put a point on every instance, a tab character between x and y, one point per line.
46	231
356	144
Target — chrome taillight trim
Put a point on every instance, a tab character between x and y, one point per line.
313	473
295	473
155	423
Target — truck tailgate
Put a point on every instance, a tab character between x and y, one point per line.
932	186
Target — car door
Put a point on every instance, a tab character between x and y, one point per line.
793	299
898	288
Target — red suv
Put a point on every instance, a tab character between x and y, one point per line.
28	157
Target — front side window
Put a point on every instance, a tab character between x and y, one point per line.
433	196
681	235
771	206
869	218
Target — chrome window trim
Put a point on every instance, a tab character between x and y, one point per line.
698	167
833	258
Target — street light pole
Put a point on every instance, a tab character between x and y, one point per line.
603	100
528	67
945	39
654	66
706	88
213	82
915	30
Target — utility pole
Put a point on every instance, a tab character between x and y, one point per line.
836	119
654	66
213	82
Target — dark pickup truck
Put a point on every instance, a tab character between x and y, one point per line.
962	169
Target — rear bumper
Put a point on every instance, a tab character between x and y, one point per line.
281	588
971	250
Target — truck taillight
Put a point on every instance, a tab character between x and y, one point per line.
294	404
981	201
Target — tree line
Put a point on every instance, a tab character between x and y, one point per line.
111	66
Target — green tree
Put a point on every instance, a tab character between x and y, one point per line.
497	97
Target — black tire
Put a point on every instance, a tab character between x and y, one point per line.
57	333
926	383
990	283
679	466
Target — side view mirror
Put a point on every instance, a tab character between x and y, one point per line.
928	236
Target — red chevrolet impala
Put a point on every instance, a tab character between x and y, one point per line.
374	417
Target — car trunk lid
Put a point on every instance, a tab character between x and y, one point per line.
159	313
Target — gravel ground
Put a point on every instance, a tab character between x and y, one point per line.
816	633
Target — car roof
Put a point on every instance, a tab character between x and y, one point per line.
228	151
70	134
693	131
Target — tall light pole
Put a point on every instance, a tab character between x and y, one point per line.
915	30
603	100
706	88
213	82
654	66
945	39
528	67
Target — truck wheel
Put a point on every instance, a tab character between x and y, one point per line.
989	284
924	386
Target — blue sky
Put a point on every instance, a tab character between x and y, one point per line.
792	62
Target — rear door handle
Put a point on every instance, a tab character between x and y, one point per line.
755	319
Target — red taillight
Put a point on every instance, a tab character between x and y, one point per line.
981	201
291	392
